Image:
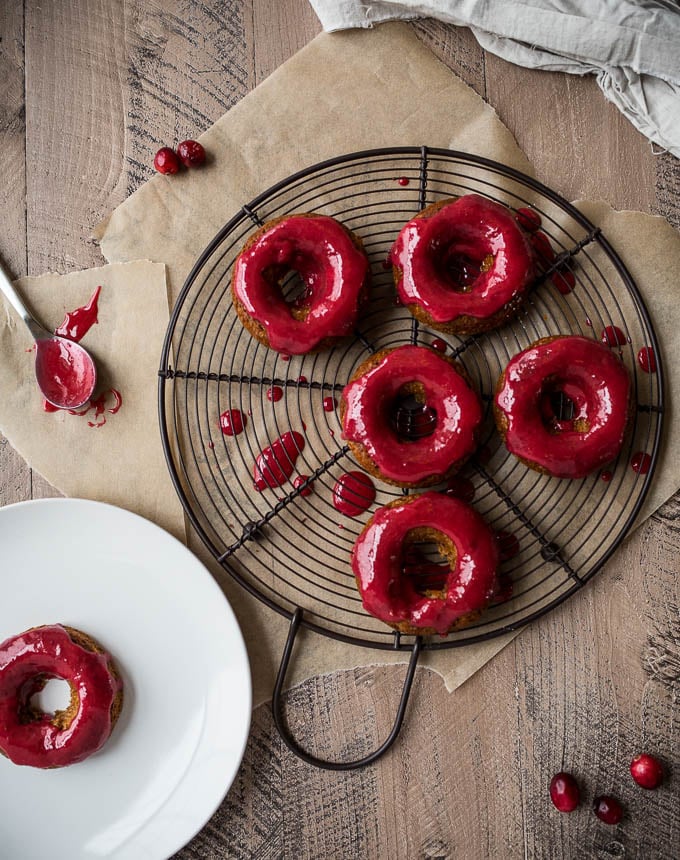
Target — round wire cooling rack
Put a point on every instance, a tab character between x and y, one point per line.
291	548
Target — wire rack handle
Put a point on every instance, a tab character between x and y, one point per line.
291	743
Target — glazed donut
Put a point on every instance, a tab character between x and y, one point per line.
27	662
462	538
333	267
596	382
445	416
463	265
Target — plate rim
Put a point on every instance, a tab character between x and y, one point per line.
186	834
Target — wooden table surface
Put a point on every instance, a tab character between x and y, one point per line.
89	89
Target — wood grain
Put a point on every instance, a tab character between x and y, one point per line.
579	143
15	475
89	89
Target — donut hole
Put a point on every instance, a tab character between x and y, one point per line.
410	416
427	560
51	697
563	406
459	268
292	287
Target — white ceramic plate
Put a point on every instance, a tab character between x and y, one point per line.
181	735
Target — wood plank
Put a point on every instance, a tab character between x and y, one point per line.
279	31
579	143
668	188
457	48
186	64
75	134
15	477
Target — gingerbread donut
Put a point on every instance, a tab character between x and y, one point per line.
462	538
332	266
463	266
27	662
592	378
440	432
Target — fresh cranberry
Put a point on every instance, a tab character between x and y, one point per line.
564	792
528	219
608	809
646	771
166	160
191	153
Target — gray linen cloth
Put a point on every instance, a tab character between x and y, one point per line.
633	46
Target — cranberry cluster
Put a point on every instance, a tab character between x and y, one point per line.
190	153
565	794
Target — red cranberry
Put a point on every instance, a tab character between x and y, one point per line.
608	809
564	792
508	545
166	160
191	153
565	280
646	771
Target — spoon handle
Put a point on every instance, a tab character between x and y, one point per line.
15	300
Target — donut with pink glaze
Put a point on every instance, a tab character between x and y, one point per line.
463	265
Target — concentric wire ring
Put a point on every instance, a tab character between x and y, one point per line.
291	549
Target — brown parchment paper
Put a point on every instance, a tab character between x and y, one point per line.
311	109
121	461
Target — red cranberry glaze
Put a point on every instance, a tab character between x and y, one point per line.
275	463
647	359
528	219
381	550
468	258
564	279
307	489
335	273
78	322
232	422
564	792
371	400
64	374
613	336
641	462
353	493
27	662
647	771
543	248
592	378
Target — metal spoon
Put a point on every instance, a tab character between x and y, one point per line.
65	372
